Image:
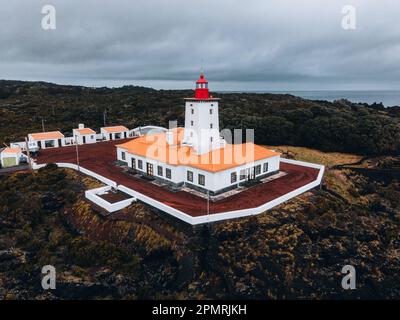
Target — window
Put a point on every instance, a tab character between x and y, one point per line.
211	125
190	176
191	123
210	111
212	105
191	134
168	173
49	144
242	174
202	180
123	156
159	171
211	139
92	137
140	164
192	110
149	169
265	167
233	177
257	169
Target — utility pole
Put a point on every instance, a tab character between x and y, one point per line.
208	208
77	153
28	153
43	124
104	116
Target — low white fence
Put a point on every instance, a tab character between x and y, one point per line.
69	141
159	205
212	217
80	169
93	195
89	173
266	206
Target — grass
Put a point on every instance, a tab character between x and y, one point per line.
336	180
310	155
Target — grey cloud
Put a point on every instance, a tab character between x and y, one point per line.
277	44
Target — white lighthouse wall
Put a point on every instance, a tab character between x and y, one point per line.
198	131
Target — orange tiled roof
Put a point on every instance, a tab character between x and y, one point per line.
12	150
232	155
47	135
85	131
115	129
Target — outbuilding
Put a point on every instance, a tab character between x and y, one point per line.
10	157
84	135
44	140
114	133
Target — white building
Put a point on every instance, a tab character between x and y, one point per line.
114	133
44	140
84	135
196	156
10	157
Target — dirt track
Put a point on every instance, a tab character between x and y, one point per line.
100	158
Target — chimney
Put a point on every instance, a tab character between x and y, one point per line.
81	126
169	136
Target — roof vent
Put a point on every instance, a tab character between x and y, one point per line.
169	136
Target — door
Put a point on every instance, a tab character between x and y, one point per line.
133	163
250	173
110	136
84	139
149	169
9	162
59	143
40	144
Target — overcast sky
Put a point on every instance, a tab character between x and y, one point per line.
244	45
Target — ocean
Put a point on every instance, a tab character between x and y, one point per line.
387	97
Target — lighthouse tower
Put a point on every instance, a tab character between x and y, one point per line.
201	120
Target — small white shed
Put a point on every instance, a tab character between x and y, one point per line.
44	140
115	132
84	135
10	157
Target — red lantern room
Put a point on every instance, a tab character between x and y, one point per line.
201	91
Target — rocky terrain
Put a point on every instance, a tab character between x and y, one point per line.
296	250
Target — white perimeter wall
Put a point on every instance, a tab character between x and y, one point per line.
93	195
211	217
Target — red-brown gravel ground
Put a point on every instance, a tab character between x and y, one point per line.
100	158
